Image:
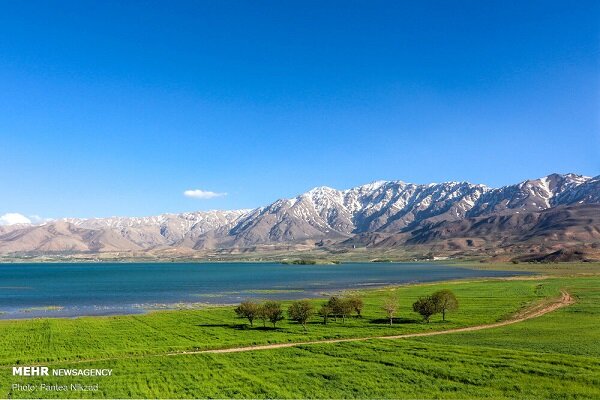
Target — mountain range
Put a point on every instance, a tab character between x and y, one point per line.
533	218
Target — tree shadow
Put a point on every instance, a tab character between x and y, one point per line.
265	328
398	320
241	327
232	326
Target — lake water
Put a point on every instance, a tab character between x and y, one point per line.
67	290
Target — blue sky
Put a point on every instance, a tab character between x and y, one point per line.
117	108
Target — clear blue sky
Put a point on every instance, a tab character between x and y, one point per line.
117	107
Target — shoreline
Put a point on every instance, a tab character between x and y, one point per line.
191	306
522	271
221	261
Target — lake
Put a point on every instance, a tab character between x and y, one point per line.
69	290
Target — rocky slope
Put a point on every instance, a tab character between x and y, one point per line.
556	208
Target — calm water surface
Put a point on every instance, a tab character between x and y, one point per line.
52	290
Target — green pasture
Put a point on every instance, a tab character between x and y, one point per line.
44	340
553	356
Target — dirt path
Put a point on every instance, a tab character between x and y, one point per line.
530	313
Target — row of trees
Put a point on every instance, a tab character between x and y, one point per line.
302	311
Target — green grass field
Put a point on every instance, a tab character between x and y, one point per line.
553	356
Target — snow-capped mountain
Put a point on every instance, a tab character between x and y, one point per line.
323	213
531	195
395	206
162	229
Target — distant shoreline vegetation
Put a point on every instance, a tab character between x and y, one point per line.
310	262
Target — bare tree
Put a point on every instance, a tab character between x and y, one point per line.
390	306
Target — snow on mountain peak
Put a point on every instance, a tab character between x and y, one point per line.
323	213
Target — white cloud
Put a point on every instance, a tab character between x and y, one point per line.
202	194
37	220
14	218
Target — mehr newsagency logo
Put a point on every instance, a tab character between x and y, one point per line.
45	371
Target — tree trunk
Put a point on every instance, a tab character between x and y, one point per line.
444	314
391	321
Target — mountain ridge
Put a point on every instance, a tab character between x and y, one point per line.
396	210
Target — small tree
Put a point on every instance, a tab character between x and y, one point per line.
344	308
301	311
272	311
333	305
340	307
262	314
357	304
425	306
325	311
390	306
445	301
249	310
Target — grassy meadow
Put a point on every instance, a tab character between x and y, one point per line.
553	356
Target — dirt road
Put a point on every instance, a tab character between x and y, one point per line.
530	313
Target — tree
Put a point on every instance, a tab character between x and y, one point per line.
425	306
357	304
343	308
333	305
325	311
249	310
445	301
262	314
390	306
340	307
301	311
272	311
